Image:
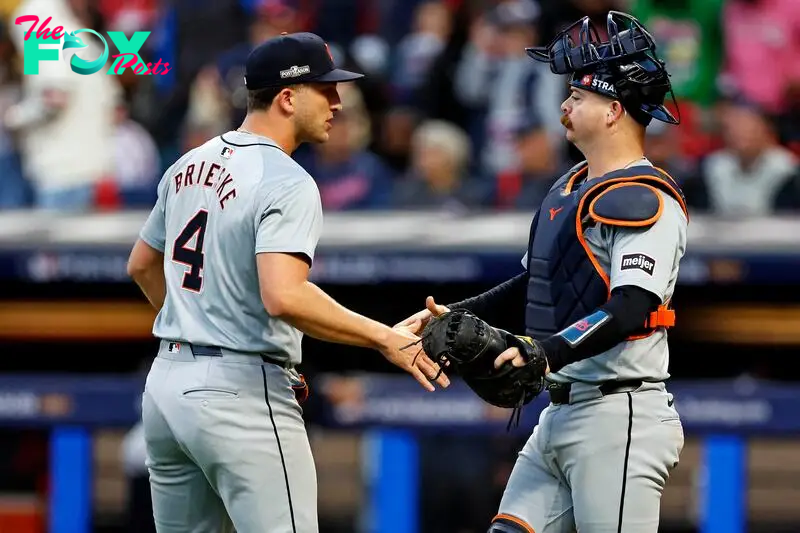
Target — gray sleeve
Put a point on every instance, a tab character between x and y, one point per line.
154	232
289	219
649	258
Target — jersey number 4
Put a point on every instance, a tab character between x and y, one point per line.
192	257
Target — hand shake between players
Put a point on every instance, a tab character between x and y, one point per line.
404	349
411	357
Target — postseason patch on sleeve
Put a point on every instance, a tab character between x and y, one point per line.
580	330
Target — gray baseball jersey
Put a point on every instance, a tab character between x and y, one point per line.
647	259
225	438
218	206
600	462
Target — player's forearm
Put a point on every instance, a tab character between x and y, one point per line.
153	284
146	268
612	323
312	311
494	304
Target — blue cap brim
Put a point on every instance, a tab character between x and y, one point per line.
338	75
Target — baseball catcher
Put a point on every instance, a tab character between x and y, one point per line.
468	345
595	292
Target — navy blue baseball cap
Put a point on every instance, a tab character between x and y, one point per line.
293	58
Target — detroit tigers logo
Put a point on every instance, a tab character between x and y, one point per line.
330	55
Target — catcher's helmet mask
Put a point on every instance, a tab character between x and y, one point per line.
624	68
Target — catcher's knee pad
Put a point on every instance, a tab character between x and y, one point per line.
509	524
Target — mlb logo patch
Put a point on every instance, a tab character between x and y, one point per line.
174	347
227	152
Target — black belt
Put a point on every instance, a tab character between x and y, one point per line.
216	351
559	392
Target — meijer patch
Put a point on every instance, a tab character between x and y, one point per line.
638	261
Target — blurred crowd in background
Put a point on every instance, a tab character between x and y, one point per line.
452	114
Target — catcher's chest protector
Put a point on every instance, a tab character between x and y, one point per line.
566	282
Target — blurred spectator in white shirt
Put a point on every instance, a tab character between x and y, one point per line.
64	121
753	174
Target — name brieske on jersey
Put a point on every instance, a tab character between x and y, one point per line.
209	175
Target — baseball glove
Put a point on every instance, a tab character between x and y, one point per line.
465	343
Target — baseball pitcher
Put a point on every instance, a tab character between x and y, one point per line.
225	256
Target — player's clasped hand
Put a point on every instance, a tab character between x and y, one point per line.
417	322
512	354
515	356
398	350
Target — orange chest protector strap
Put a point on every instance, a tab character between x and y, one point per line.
663	317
